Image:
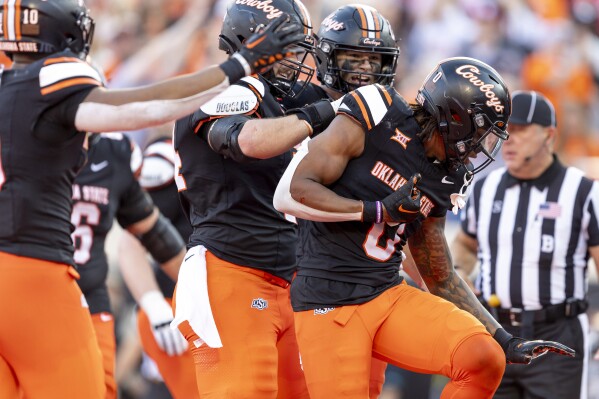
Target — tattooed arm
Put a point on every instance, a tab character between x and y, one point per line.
430	251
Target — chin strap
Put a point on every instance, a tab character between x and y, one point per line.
458	200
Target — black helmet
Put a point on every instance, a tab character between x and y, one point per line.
357	28
45	27
472	106
244	17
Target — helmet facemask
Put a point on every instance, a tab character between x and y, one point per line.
485	137
336	69
290	76
472	105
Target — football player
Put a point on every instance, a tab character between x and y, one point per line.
241	249
47	100
107	188
157	178
357	182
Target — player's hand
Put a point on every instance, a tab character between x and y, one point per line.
268	46
318	115
403	206
521	351
160	314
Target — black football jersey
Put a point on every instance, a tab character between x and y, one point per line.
40	154
353	262
158	179
105	189
229	204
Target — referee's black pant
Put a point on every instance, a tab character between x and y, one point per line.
551	376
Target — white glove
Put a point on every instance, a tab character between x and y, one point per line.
160	314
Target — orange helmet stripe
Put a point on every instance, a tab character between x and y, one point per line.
377	24
364	22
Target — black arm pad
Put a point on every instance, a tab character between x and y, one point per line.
223	136
162	241
319	115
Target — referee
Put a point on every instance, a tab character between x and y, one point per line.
532	226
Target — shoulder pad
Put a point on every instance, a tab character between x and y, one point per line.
242	98
61	73
368	105
158	168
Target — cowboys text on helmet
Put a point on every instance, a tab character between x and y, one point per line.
472	73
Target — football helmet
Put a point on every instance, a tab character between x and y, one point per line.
356	28
46	27
471	104
243	18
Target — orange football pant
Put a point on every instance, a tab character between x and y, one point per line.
259	358
104	327
403	326
178	372
48	347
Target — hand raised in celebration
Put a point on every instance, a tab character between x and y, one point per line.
268	45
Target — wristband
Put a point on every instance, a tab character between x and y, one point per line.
503	338
372	212
235	69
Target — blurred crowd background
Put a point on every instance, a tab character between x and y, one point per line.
547	45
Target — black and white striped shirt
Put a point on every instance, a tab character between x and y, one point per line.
533	235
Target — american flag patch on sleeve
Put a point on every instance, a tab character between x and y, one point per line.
550	210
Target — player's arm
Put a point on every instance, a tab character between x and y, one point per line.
161	240
431	253
140	279
266	138
464	249
243	139
302	191
128	109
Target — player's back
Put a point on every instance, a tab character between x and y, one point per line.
41	152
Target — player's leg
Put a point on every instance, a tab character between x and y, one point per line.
427	334
336	351
9	386
245	311
104	328
50	341
292	383
377	377
178	372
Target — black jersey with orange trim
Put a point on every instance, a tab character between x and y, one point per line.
105	189
353	262
158	179
41	152
229	204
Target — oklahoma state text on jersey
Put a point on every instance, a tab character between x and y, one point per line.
39	164
229	204
365	258
105	188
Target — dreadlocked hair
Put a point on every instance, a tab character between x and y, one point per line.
426	121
